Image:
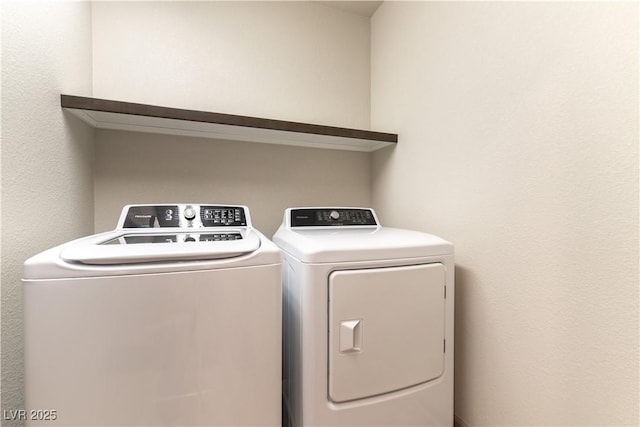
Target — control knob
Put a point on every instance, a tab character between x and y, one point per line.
334	215
189	213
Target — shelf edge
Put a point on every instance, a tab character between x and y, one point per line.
73	102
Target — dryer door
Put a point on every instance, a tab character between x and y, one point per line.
386	329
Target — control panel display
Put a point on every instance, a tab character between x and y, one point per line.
222	216
322	217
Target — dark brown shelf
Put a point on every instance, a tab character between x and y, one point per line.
108	114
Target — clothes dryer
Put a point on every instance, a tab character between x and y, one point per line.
173	318
368	317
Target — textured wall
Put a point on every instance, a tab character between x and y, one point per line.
296	61
282	60
518	128
47	183
140	168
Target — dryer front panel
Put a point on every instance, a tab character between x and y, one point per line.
386	329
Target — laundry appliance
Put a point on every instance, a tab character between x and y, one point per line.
368	316
173	318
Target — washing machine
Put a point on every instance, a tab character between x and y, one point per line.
368	317
173	318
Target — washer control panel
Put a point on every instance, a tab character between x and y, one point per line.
332	217
183	216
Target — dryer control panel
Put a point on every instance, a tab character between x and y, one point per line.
332	217
183	216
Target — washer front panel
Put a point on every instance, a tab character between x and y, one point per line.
386	329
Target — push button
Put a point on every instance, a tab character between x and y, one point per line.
189	214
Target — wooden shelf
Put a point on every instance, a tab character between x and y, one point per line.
107	114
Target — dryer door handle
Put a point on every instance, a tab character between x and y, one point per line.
350	336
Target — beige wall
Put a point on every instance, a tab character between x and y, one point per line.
298	61
283	60
140	168
47	182
518	128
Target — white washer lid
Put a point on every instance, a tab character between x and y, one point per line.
340	244
50	265
103	253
